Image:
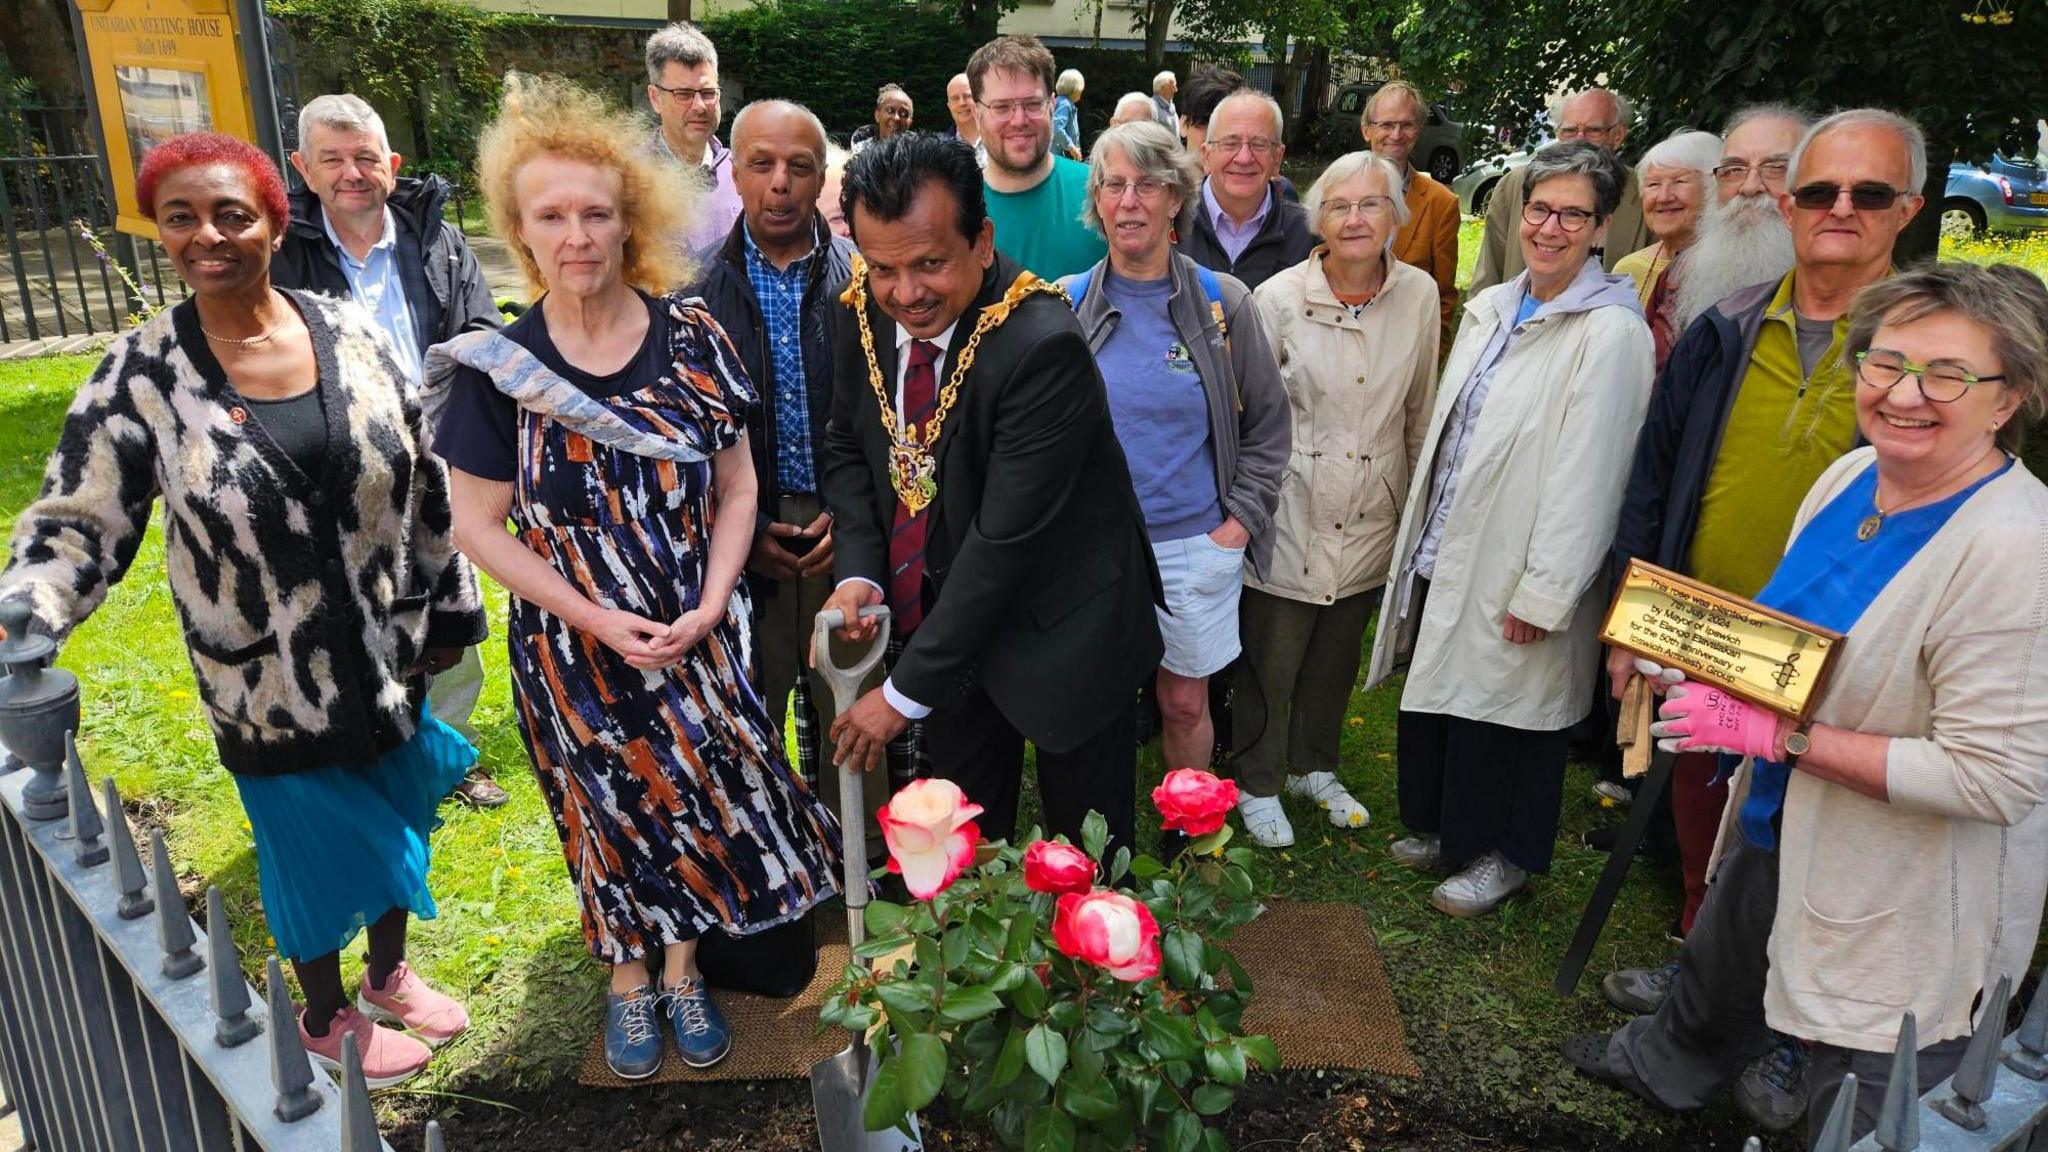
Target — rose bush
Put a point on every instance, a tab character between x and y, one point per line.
1070	1016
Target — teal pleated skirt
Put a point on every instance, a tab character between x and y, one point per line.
338	847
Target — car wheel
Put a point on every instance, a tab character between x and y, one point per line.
1482	194
1961	217
1443	165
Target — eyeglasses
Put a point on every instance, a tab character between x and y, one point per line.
1394	125
1735	173
1582	131
1114	187
1364	205
1230	145
1869	196
1033	108
692	95
1882	369
1536	214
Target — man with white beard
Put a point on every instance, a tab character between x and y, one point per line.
1743	238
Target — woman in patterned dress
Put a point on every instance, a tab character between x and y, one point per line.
606	424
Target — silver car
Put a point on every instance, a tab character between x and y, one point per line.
1474	185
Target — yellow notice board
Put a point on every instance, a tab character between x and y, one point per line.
160	68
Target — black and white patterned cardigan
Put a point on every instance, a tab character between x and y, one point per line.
306	606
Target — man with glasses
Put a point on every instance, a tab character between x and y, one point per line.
1241	223
682	88
966	126
1391	124
1753	406
1596	116
1034	197
1743	238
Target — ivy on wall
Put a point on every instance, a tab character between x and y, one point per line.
832	54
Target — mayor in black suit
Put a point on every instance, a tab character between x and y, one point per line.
1026	583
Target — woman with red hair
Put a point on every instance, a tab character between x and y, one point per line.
307	542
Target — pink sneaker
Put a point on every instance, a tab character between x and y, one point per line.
412	1004
389	1057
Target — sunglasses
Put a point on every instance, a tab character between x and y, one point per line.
1865	197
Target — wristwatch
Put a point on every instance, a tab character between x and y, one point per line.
1797	742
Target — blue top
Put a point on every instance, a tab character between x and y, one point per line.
1828	577
1066	125
1160	410
780	293
1526	308
378	286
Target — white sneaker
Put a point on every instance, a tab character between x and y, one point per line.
1478	889
1422	853
1613	793
1322	787
1266	821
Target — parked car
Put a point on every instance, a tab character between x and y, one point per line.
1474	186
1439	151
2003	195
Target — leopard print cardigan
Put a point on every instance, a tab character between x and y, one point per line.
306	605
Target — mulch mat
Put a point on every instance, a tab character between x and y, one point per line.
1320	1014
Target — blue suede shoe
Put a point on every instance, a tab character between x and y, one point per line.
702	1035
632	1035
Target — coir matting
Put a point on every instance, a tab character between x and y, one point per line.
1320	1013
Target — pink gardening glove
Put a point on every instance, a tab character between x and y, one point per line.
1697	718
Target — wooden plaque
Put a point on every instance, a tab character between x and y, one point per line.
1770	659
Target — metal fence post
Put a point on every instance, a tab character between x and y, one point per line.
1978	1074
2031	1057
230	993
291	1070
86	825
173	927
1834	1135
1898	1117
129	879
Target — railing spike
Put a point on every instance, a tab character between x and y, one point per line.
129	877
1752	1145
435	1142
1898	1117
358	1117
233	1023
1978	1073
1834	1135
87	829
2030	1059
173	926
291	1071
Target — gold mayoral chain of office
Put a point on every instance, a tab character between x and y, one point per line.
913	471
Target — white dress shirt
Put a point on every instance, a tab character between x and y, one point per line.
944	340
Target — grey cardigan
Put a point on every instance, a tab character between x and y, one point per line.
1248	419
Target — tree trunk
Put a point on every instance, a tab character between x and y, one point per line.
1316	94
1921	239
1099	6
679	9
37	37
1287	69
1158	20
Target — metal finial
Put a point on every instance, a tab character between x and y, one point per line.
358	1118
1834	1135
129	878
435	1142
1978	1073
87	829
2030	1059
173	926
291	1072
233	1025
1898	1117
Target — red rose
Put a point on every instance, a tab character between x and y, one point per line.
1193	801
929	827
1057	868
1109	930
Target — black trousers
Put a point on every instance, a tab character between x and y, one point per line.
1481	787
974	745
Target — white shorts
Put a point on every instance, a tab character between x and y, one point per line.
1203	581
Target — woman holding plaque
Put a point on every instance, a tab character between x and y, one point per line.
1906	818
1494	594
605	424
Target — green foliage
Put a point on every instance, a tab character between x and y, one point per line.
428	58
831	55
1055	1053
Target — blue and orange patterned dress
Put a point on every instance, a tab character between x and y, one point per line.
676	804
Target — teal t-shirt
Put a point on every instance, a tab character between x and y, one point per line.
1042	230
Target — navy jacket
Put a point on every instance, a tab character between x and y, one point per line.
729	294
444	283
1283	240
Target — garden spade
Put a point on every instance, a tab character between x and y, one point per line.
839	1083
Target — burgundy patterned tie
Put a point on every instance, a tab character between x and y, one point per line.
907	537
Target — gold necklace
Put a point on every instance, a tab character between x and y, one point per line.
1875	521
913	472
243	341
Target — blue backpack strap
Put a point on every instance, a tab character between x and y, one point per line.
1079	288
1211	286
1213	289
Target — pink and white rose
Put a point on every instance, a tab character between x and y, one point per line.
1109	930
929	827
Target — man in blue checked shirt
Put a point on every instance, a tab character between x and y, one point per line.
773	285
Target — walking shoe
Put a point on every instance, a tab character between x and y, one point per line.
389	1057
1478	889
1423	853
1614	792
632	1036
1639	991
1588	1054
1265	820
1322	787
702	1035
414	1005
478	790
1772	1090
